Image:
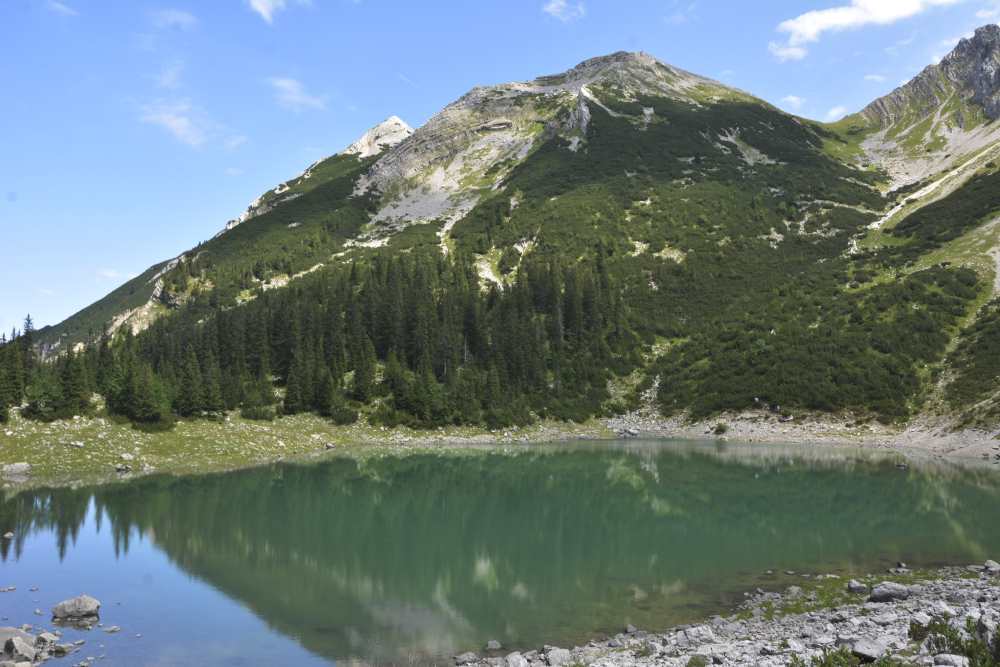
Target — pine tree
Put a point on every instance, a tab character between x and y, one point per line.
190	398
364	370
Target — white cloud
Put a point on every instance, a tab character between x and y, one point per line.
784	53
836	113
60	8
877	78
793	102
291	94
810	26
179	119
268	8
564	11
174	18
170	76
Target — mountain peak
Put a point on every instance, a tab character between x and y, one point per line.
970	73
385	135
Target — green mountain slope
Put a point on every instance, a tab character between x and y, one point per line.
623	229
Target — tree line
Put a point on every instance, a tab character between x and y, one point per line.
411	339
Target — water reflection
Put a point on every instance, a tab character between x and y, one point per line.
417	557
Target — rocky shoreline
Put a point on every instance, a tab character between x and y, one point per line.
940	618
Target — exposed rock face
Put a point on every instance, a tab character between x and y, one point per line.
385	135
971	71
437	173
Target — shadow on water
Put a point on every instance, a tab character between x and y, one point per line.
417	557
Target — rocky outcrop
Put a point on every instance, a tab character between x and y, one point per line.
383	136
971	71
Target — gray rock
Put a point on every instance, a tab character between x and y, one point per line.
856	587
80	607
15	471
889	591
558	656
466	658
992	567
516	660
870	650
952	660
9	633
19	649
46	639
941	609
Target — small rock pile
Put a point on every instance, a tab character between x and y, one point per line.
23	649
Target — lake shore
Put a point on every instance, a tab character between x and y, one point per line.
97	449
933	617
940	617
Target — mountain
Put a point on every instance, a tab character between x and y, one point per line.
685	245
944	112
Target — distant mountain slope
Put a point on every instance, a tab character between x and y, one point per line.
763	259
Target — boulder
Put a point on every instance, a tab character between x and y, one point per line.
869	650
558	656
46	639
516	660
82	607
19	649
466	658
856	587
9	633
889	591
952	660
493	645
991	567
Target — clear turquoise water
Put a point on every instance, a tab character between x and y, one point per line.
413	559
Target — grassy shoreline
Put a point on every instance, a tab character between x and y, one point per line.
89	449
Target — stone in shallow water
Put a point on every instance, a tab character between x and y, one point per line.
80	607
466	658
18	649
856	587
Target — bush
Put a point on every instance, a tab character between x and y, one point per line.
258	412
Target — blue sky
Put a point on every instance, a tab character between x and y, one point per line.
132	129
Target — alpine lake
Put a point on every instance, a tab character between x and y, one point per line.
411	559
